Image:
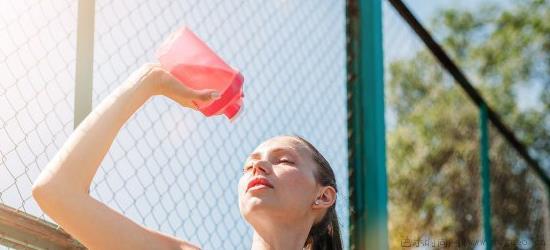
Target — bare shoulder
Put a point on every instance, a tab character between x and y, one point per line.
172	242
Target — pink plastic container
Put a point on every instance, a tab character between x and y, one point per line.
194	64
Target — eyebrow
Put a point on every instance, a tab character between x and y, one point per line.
276	150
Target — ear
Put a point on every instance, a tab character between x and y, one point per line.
326	197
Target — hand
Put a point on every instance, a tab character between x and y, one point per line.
163	83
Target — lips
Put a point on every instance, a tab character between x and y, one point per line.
258	181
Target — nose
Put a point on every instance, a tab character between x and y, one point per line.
261	166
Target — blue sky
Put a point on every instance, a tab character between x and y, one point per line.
401	42
425	10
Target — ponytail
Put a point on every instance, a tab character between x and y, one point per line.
324	235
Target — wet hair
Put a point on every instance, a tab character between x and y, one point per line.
325	234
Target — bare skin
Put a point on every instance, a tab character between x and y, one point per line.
281	216
61	190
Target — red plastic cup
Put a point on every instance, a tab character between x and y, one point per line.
194	64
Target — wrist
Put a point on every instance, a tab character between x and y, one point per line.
146	80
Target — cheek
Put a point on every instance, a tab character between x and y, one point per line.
240	192
297	184
241	186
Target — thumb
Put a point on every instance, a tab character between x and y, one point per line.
206	95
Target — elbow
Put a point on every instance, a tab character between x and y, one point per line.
46	198
51	196
39	192
44	193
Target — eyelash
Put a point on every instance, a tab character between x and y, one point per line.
250	166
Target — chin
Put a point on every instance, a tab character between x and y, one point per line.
250	206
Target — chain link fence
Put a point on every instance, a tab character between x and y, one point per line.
433	154
37	58
172	170
169	168
519	201
435	191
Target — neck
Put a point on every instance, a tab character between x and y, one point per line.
281	236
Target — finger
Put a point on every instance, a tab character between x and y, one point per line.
193	94
185	96
206	95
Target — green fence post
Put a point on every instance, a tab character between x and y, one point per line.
84	60
366	142
485	175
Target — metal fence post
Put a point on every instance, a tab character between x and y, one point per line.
84	60
366	142
485	175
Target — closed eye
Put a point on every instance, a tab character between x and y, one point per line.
286	161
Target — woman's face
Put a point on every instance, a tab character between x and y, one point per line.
278	181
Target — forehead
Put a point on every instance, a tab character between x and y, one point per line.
282	142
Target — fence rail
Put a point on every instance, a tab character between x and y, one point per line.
23	231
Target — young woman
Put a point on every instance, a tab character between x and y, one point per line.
287	191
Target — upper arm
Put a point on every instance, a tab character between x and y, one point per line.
98	226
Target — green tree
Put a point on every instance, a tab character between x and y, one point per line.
433	153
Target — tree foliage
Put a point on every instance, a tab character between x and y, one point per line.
433	153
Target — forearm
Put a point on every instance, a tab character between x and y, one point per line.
76	163
61	190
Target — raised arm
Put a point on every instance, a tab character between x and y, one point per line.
61	190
